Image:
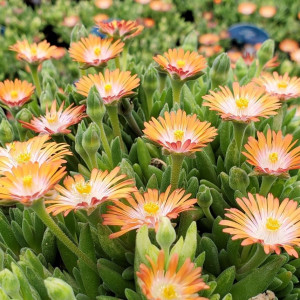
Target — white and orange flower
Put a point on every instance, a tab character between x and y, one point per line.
56	122
288	45
37	149
272	154
78	193
70	21
112	86
15	93
267	221
181	65
160	5
33	53
59	53
123	29
209	39
247	8
144	2
178	133
29	182
246	103
176	282
103	4
282	87
295	56
267	11
100	17
147	209
94	51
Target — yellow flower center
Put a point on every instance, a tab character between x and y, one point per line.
151	208
97	51
114	23
273	157
169	292
14	94
272	224
282	85
52	118
178	135
23	157
83	187
108	87
33	51
242	103
180	63
27	180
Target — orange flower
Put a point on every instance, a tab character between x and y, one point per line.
295	56
273	154
158	5
209	51
34	150
246	8
234	57
267	11
94	51
147	209
59	53
209	39
279	86
112	86
217	1
179	133
103	4
33	53
147	22
246	103
56	122
181	65
121	29
15	93
144	2
28	182
70	21
288	45
81	194
176	282
267	221
100	17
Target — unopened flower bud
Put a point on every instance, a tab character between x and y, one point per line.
24	115
220	70
58	289
95	107
91	140
238	179
266	52
204	197
150	81
190	42
10	283
166	234
46	98
6	132
286	66
241	69
78	32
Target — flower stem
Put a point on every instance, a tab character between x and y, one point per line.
133	124
162	78
266	184
278	119
124	57
117	62
71	136
36	80
255	261
239	131
82	72
176	164
149	98
112	111
39	208
104	141
176	89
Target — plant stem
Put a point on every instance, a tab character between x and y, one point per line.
149	98
176	89
124	57
117	62
239	131
278	119
133	124
82	72
258	70
162	81
39	208
255	261
266	184
36	80
104	141
112	111
208	214
176	163
71	136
